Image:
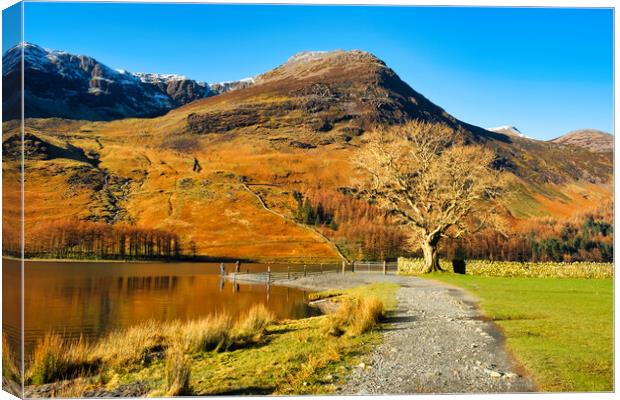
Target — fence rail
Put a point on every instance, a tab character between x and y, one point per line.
297	272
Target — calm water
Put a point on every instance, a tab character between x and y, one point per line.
90	299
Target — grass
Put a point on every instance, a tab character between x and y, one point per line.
56	359
354	317
560	330
252	356
10	370
177	370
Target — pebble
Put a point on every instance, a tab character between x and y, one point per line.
433	345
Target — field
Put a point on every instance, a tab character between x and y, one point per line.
560	330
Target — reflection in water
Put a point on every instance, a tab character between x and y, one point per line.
11	304
90	299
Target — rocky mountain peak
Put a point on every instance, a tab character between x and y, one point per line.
62	84
590	139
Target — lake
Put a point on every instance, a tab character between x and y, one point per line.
93	298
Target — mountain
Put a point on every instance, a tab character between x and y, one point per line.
61	84
589	139
336	94
224	172
509	130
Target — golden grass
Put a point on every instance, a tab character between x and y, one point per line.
133	347
211	333
10	369
251	328
177	370
55	358
355	316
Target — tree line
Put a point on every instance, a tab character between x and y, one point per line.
99	240
587	236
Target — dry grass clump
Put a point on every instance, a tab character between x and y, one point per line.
55	358
134	347
354	317
10	369
177	370
211	333
251	327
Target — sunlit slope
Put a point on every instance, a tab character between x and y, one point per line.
221	171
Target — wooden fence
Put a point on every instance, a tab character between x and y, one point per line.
296	272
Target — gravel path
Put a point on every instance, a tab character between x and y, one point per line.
435	342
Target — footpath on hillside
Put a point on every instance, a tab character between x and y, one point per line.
436	341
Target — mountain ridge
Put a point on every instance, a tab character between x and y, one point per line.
590	139
66	85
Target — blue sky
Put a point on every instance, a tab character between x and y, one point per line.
546	71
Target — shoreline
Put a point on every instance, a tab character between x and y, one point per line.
187	261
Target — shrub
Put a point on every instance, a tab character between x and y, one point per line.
177	370
251	327
55	358
211	333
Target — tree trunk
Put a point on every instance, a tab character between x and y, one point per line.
431	258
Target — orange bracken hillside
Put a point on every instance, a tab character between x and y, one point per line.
221	172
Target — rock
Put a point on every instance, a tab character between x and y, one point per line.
492	373
301	145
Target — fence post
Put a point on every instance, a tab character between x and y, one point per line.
368	266
237	266
305	273
353	266
269	274
384	267
343	267
288	272
321	268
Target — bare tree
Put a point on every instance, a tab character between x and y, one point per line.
433	183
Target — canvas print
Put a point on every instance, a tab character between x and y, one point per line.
252	199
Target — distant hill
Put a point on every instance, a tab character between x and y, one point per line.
590	139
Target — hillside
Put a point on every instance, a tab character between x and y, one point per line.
589	139
221	172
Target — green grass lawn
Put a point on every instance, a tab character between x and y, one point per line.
560	330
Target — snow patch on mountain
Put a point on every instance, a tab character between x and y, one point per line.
509	130
119	93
